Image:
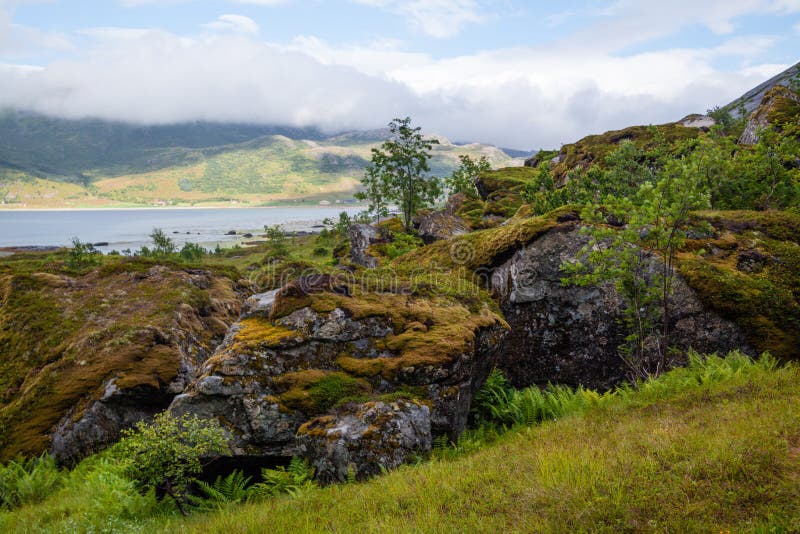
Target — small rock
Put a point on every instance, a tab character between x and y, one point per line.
751	261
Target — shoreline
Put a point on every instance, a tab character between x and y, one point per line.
164	208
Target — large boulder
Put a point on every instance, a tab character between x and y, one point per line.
326	343
363	440
568	334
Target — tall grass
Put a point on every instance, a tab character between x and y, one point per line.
498	403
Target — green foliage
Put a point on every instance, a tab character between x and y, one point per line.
82	255
401	244
276	235
162	245
321	251
28	481
167	454
498	403
328	391
192	252
295	479
223	492
375	193
399	171
462	180
640	257
730	125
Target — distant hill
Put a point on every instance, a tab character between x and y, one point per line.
47	162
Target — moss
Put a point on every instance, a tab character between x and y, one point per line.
779	106
392	225
259	333
482	248
593	149
764	301
64	337
781	225
315	391
361	366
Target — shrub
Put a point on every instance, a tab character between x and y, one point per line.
192	252
277	240
401	244
82	255
321	251
162	245
167	454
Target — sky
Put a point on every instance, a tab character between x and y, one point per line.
514	73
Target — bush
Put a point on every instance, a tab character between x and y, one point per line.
167	454
82	255
402	244
192	252
321	251
277	240
162	245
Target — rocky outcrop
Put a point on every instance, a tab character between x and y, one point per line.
753	98
322	344
443	224
362	236
778	105
363	440
571	335
89	355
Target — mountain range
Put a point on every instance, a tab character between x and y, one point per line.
51	162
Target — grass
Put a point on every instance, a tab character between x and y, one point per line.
711	448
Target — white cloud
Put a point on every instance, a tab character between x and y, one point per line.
437	18
233	23
526	97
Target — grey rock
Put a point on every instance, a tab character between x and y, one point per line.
366	439
571	335
436	225
259	305
361	237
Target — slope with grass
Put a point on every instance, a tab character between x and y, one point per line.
713	447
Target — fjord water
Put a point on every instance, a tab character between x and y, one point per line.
130	228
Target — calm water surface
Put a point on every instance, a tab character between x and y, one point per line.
130	228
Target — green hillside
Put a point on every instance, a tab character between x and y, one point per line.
51	163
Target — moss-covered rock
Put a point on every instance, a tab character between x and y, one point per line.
779	107
331	340
748	270
84	356
365	439
594	149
